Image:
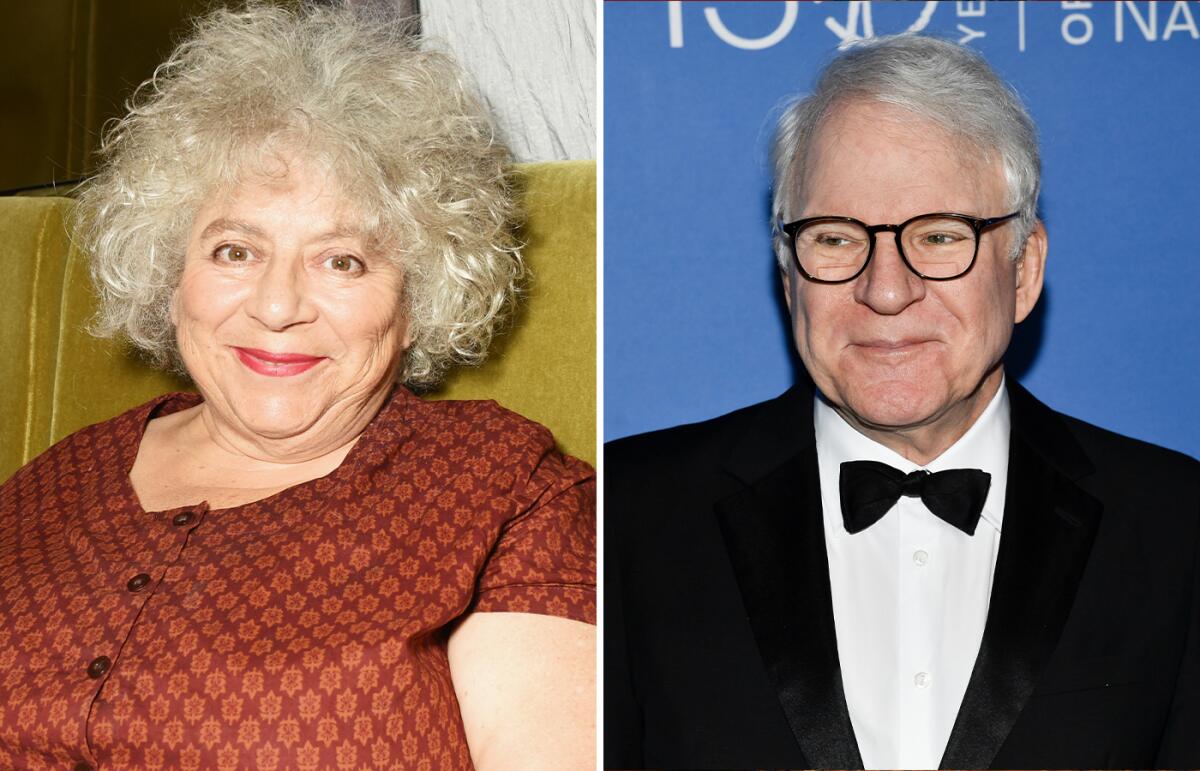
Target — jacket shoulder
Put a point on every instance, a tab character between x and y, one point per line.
702	440
1118	455
763	430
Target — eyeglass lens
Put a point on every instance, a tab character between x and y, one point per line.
936	247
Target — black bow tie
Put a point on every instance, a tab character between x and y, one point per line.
869	489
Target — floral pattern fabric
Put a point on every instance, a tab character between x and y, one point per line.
305	630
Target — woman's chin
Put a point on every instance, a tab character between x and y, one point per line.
273	416
305	413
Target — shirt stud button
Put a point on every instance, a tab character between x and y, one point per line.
98	667
920	557
183	518
82	766
138	582
922	679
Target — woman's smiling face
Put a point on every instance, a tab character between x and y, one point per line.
288	321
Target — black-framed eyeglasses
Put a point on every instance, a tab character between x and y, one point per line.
937	247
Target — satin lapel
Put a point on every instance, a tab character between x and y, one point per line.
776	543
1049	525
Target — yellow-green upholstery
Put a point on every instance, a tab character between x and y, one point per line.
57	378
69	66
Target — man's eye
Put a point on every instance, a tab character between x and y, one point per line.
942	239
345	263
233	253
832	240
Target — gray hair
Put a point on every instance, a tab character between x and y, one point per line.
936	80
398	128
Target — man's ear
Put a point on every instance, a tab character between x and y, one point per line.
785	275
1031	271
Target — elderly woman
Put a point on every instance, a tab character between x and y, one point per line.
304	565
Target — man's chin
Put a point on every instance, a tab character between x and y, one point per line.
893	408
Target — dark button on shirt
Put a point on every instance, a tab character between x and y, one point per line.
82	766
138	582
183	518
99	666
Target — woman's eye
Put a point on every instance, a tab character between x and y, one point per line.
345	263
233	253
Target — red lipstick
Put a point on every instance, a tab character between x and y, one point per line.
276	364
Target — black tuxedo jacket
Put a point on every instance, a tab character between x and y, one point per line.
719	640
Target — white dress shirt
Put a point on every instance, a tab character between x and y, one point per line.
910	593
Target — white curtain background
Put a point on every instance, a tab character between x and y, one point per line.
534	62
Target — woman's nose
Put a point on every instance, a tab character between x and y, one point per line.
280	297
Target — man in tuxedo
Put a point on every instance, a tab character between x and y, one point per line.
915	563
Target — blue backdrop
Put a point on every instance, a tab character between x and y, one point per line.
693	320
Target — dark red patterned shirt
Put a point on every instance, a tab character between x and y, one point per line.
305	630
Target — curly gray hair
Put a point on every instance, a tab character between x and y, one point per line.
934	79
397	126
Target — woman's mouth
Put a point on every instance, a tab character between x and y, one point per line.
274	364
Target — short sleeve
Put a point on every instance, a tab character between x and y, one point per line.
544	560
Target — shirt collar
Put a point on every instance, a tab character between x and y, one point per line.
984	446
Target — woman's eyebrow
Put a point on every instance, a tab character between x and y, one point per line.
340	232
224	224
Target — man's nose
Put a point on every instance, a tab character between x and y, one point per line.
887	286
280	297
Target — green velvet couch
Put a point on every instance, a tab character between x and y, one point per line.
58	378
